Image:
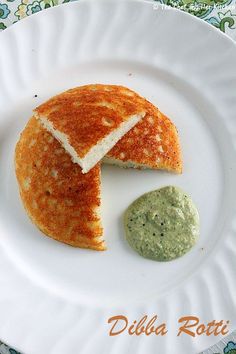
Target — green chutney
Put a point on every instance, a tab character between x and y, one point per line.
163	224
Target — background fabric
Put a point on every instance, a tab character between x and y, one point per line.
219	13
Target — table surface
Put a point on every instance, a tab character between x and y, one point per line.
219	13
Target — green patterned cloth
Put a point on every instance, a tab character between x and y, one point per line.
219	13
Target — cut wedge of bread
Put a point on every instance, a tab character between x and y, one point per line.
63	202
89	120
152	143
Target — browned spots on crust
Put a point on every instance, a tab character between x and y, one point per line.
153	142
59	199
80	113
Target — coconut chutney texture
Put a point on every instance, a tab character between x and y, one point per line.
163	224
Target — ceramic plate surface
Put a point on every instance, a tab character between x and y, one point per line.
56	299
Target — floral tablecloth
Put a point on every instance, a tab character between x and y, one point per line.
219	13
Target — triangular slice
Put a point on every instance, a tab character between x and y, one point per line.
62	201
89	120
152	143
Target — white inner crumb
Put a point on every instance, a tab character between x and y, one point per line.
112	161
96	153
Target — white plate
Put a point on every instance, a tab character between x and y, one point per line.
57	299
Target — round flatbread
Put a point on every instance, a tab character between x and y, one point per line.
63	202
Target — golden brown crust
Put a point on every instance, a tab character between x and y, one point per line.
87	114
152	143
59	199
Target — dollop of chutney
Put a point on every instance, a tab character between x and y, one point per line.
163	224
